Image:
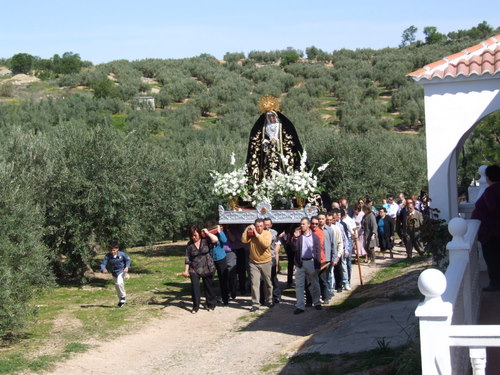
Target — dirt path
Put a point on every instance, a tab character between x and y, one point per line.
228	340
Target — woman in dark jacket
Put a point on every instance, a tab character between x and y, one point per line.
487	210
200	265
369	225
385	232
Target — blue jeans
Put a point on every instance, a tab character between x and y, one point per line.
347	265
325	283
347	268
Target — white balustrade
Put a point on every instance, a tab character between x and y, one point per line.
449	342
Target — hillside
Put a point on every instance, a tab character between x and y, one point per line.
85	159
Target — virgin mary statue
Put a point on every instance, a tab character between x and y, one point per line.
272	139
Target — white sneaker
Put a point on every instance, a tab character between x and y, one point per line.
347	287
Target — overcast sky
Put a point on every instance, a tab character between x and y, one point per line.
106	30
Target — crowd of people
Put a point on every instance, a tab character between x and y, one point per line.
319	252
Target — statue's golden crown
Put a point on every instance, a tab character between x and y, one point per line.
269	103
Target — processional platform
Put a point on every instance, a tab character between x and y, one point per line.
264	210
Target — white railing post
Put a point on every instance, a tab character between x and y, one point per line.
458	246
459	251
478	360
434	319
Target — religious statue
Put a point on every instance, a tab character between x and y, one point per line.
272	139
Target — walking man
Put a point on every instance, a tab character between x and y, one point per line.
275	255
260	241
413	222
307	257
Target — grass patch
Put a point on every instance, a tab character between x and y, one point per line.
118	120
71	311
395	269
43	362
274	366
248	318
13	363
76	347
328	101
17	362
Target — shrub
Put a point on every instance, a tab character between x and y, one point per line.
24	259
7	89
22	63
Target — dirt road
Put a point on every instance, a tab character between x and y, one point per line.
229	340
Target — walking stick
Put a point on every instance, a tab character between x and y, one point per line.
357	258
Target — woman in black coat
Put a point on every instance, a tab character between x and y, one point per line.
385	225
199	265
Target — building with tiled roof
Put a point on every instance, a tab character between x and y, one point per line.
459	91
480	60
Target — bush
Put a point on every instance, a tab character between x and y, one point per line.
374	164
24	259
105	88
233	57
7	89
69	63
22	63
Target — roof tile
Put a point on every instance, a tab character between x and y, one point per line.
483	58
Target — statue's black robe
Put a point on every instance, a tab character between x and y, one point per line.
260	164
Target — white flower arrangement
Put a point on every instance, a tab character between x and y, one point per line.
231	184
302	184
278	188
282	185
291	184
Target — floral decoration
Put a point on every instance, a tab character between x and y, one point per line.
277	190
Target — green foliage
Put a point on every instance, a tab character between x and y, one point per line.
317	54
374	165
162	99
482	147
90	168
233	56
69	62
24	260
22	63
435	236
482	31
273	56
432	36
85	201
289	58
105	89
408	36
7	89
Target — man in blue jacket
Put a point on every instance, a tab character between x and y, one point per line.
118	263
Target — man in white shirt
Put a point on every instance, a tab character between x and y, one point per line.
393	207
